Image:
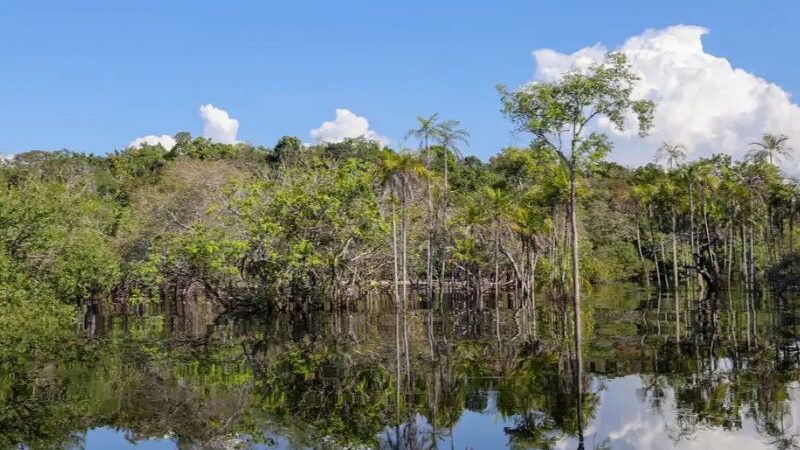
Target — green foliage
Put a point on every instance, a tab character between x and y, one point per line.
302	222
616	261
567	106
303	227
56	242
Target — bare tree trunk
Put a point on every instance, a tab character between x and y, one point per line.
663	259
404	220
791	224
396	293
711	253
479	288
674	253
565	245
496	265
675	280
429	262
528	275
745	271
394	248
496	281
576	284
753	272
533	293
553	245
653	240
405	276
444	225
692	242
645	275
731	240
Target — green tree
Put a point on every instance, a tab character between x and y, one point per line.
771	147
673	154
450	138
428	131
558	114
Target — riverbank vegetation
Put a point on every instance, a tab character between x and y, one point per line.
283	227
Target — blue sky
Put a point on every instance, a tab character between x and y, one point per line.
93	75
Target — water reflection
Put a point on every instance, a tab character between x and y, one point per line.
658	372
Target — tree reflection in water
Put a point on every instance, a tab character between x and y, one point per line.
724	366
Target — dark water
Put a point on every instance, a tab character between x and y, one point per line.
710	374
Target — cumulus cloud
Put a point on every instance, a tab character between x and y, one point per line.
164	140
703	102
345	125
218	126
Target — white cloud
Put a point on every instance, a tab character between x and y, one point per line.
218	126
165	140
702	101
345	125
629	424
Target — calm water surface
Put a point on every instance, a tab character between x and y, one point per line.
708	374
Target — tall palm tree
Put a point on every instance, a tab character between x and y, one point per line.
498	204
450	136
427	131
673	154
398	174
771	147
530	223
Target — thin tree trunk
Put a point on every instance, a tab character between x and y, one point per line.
691	233
396	293
729	251
653	240
405	277
444	225
576	291
674	253
675	280
663	259
404	220
496	265
645	275
711	253
753	272
496	282
791	224
745	271
479	288
429	262
554	246
533	293
565	245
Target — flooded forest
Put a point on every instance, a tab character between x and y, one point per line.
351	295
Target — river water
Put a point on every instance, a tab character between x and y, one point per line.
718	373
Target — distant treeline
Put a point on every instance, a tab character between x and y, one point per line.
296	223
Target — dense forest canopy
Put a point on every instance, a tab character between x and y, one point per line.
253	227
